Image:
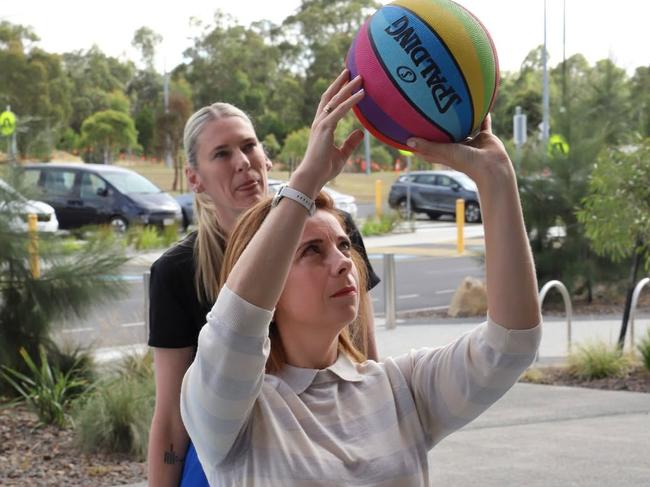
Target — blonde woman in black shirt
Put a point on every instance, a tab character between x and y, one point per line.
227	170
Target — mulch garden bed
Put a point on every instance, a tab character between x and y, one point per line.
637	379
37	455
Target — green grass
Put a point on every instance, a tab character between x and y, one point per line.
644	349
598	360
379	226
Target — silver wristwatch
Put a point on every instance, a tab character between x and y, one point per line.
295	195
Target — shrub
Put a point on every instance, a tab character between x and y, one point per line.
379	226
597	361
116	417
644	349
169	235
144	238
137	365
46	390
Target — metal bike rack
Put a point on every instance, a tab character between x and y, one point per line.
635	301
567	305
389	291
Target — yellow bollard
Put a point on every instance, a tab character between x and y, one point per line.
378	202
34	261
460	223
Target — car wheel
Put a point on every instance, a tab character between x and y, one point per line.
119	224
402	210
433	215
472	212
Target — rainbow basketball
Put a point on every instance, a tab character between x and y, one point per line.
429	70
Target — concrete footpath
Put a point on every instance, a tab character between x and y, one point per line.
539	435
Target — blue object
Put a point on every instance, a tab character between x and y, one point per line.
193	475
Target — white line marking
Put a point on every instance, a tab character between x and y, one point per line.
130	325
446	291
408	296
76	330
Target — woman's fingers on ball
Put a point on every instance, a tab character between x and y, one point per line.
343	94
344	106
333	89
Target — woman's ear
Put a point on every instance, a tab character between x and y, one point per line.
194	180
268	163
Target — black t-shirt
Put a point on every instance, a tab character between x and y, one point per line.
175	313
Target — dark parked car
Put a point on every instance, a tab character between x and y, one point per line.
435	193
90	194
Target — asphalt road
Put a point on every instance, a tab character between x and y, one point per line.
421	282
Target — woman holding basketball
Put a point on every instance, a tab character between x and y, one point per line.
277	393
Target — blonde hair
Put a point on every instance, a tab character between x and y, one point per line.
355	332
211	238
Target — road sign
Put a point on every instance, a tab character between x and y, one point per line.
557	145
7	123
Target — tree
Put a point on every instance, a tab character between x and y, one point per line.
169	130
108	131
616	210
295	147
232	63
34	84
640	101
146	40
322	31
94	76
70	283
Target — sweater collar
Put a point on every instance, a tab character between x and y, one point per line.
299	379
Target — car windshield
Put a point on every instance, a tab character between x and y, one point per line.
130	183
465	181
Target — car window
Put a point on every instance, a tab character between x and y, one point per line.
90	185
425	179
59	182
445	181
31	178
131	183
406	178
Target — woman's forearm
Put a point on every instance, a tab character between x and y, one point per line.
167	448
510	272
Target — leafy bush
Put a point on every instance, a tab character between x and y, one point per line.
116	417
144	238
47	390
644	348
169	235
379	226
597	361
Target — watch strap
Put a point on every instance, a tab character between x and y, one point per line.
295	195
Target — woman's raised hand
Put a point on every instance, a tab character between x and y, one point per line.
482	157
323	159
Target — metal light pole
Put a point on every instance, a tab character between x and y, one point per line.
168	154
545	97
519	134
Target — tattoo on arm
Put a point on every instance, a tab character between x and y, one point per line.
171	458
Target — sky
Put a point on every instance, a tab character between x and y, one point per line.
596	28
